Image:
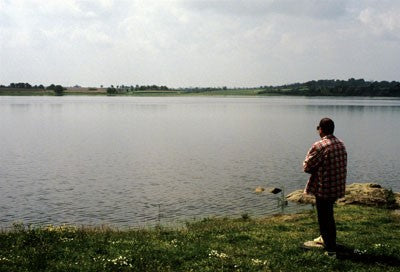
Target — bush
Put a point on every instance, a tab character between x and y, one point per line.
59	90
111	91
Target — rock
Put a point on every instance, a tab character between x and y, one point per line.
396	213
371	185
299	197
369	194
397	198
275	190
259	190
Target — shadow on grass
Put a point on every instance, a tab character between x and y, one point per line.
352	254
349	253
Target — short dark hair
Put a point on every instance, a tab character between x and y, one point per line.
327	126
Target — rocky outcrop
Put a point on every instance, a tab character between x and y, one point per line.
397	198
369	194
298	196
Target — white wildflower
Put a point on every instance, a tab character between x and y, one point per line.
121	261
66	239
379	246
215	253
359	251
258	262
174	243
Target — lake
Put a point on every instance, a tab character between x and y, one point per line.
139	161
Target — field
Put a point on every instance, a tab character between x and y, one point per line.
23	92
103	91
85	91
370	237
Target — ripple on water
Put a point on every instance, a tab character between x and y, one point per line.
135	161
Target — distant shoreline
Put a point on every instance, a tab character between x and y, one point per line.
256	92
324	87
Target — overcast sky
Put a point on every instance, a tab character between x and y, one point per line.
197	42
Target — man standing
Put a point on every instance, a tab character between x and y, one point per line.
326	161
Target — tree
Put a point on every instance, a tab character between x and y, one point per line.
51	87
59	90
111	90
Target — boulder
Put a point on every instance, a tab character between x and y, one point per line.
397	198
275	190
298	196
396	213
369	194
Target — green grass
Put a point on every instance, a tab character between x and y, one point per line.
214	244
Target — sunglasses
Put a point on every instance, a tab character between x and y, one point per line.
318	127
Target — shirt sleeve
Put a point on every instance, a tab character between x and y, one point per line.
313	159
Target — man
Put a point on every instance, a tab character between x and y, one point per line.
326	161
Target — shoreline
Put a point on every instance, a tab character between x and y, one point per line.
175	93
369	234
357	194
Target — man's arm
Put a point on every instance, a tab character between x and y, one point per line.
313	159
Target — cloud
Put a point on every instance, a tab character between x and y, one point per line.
205	43
382	23
329	9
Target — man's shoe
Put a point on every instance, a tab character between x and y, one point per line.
312	245
319	240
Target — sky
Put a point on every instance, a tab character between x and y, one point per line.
203	43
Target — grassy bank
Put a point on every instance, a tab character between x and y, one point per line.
370	235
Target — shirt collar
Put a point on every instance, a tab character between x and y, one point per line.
328	137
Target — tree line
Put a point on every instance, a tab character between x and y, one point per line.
327	87
350	87
203	89
58	89
125	89
22	85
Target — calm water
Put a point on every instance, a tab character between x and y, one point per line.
130	161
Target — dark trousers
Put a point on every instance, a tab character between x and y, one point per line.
327	226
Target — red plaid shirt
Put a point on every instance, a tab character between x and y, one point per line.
326	161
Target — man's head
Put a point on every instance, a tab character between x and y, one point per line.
326	127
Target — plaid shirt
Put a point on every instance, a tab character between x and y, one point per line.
326	161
